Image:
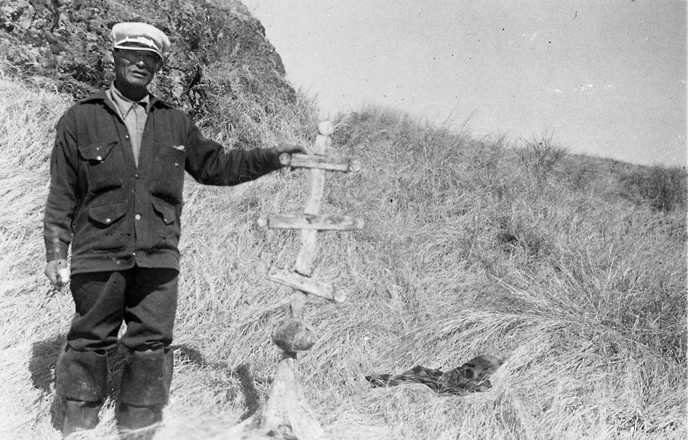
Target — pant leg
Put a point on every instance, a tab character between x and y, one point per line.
81	372
150	308
99	300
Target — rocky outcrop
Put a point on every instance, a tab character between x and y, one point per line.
66	42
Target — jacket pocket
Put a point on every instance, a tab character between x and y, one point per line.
168	173
102	163
166	228
107	231
97	152
166	212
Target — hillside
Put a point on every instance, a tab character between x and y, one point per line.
570	268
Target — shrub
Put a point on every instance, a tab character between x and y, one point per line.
541	155
664	189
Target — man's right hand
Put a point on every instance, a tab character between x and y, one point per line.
57	272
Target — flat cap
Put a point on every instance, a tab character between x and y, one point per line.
140	36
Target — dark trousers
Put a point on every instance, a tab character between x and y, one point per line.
145	299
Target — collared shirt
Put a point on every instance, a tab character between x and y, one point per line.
134	115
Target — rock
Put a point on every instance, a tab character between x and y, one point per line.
67	42
293	335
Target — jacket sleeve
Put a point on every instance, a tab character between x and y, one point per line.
209	163
61	204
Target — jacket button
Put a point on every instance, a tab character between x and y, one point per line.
107	220
137	216
99	158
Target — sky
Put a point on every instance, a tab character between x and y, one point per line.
604	78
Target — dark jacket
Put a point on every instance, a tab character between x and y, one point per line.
116	215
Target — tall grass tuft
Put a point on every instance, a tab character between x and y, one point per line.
541	155
663	189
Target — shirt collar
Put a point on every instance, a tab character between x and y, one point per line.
125	104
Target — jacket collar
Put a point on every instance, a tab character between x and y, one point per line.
101	96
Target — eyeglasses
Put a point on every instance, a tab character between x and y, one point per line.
133	56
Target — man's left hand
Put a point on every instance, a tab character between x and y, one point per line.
291	149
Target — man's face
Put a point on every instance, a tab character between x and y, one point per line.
135	68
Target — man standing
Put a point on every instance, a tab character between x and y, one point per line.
117	173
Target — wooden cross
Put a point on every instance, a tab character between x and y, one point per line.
286	405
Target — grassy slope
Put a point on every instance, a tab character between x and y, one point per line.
468	248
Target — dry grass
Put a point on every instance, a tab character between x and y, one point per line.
465	251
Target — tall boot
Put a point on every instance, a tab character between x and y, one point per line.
81	379
145	391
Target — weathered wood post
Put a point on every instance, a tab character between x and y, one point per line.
286	406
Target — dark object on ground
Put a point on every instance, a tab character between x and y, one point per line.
470	377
